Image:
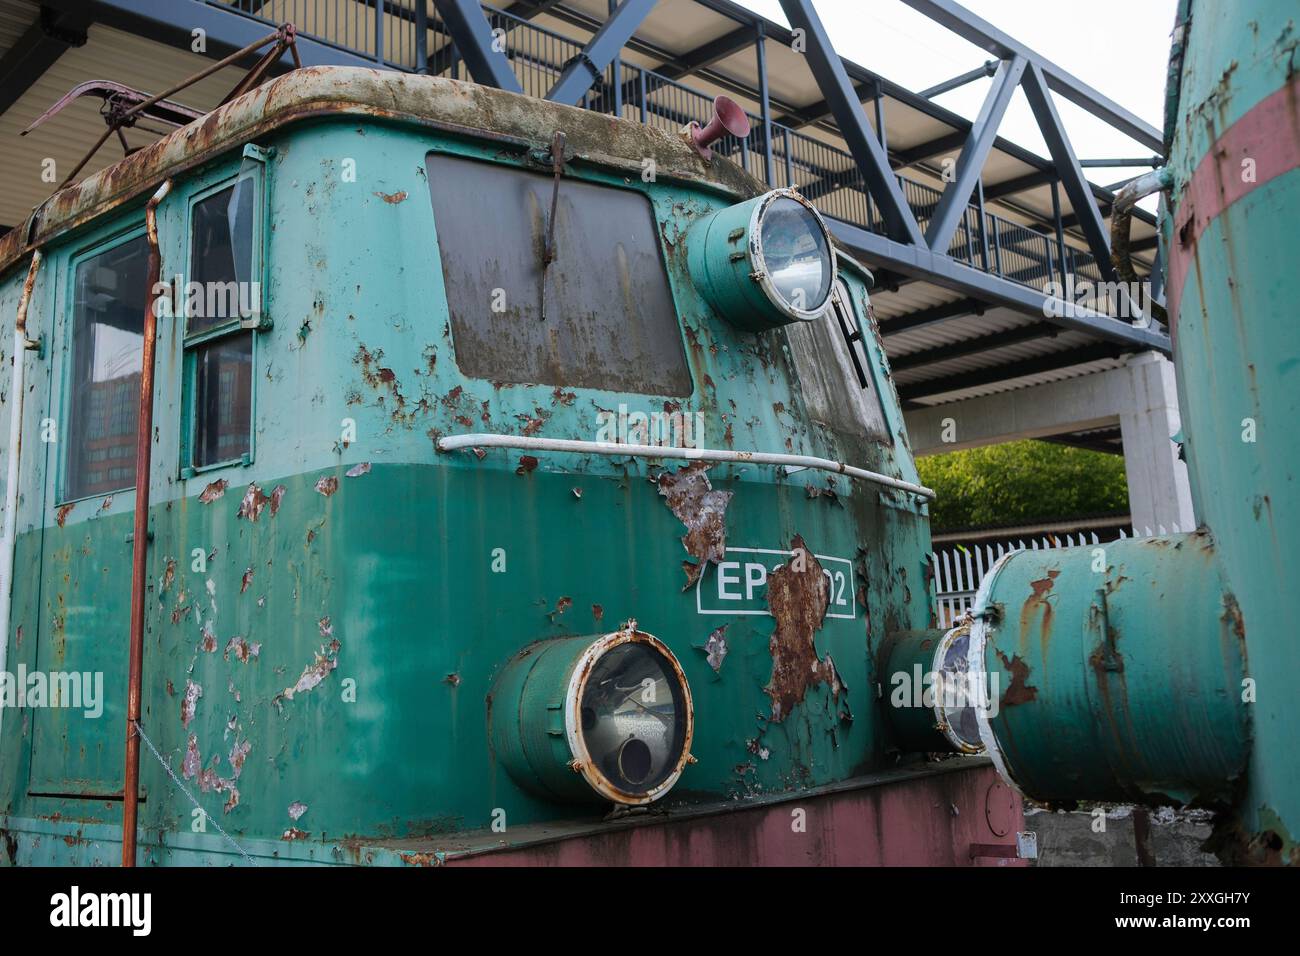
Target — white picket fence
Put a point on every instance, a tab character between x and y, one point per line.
958	569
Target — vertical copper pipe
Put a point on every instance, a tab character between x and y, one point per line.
140	543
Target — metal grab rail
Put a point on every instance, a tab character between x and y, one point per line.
609	448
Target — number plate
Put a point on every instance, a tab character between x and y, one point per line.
738	585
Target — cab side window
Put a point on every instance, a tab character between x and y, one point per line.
108	302
222	299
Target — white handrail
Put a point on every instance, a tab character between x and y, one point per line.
493	440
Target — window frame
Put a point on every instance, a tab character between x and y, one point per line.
858	306
119	234
193	342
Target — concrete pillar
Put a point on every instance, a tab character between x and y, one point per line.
1158	491
1141	397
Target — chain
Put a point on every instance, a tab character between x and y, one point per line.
180	786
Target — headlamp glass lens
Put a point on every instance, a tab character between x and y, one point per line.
796	254
958	697
633	717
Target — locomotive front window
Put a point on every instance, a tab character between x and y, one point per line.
222	296
609	320
108	300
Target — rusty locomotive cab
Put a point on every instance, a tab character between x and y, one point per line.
492	480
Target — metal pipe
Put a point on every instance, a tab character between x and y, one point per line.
140	543
1121	163
582	447
988	69
17	389
765	103
1122	214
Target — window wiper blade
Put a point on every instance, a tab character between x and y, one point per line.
548	250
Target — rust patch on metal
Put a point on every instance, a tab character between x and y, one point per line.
1019	691
325	661
293	833
533	423
246	580
192	761
242	649
715	648
423	859
562	605
798	596
190	702
253	503
169	574
393	198
62	514
703	510
327	485
356	471
1041	590
526	464
213	491
277	495
597	612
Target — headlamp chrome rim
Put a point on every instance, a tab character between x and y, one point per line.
582	759
960	744
758	261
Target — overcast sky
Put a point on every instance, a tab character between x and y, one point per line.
1119	47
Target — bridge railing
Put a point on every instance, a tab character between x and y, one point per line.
386	30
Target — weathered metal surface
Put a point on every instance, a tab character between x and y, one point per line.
1230	242
346	599
1115	673
909	817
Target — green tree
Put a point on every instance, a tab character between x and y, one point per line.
1021	483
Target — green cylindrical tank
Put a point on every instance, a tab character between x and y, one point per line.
1115	673
1231	245
1125	681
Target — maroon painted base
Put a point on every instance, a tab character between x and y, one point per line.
934	819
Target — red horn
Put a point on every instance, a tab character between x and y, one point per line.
728	117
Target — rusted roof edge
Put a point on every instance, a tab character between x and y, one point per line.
317	92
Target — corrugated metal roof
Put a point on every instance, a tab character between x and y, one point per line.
1024	381
959	329
1062	342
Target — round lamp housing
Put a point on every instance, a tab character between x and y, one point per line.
583	718
765	262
